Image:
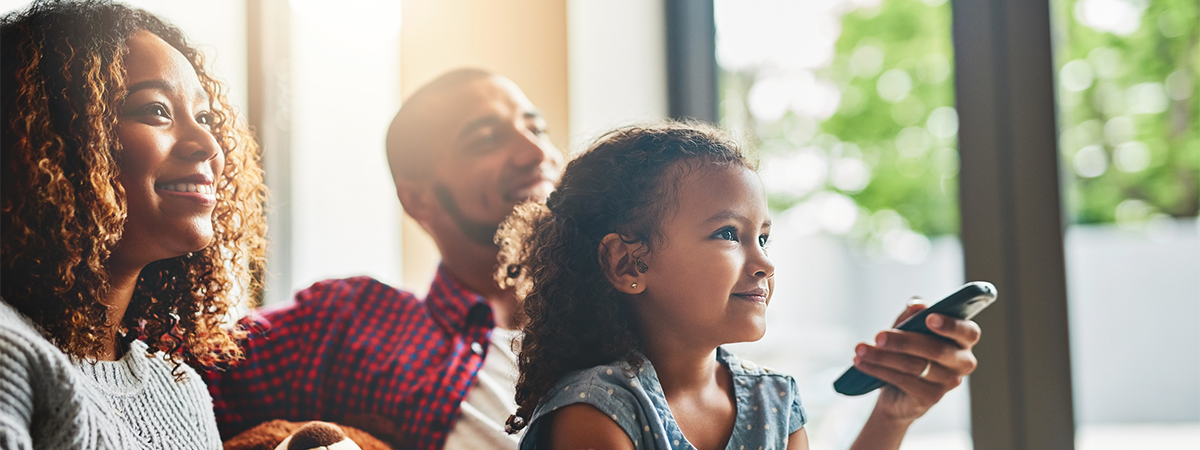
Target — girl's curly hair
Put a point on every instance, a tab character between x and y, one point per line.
62	83
623	184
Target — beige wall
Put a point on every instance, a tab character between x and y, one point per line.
524	40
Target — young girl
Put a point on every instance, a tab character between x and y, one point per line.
650	256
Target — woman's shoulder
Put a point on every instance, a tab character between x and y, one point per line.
23	344
43	386
12	322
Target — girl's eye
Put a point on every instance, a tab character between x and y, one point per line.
727	233
762	240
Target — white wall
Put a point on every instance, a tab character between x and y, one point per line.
617	62
1135	323
345	90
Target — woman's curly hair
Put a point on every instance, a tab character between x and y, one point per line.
62	83
623	184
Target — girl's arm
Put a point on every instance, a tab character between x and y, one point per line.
581	426
919	370
798	440
881	432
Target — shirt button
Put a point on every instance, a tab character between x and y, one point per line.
478	349
748	365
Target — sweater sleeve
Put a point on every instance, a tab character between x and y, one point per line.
44	402
16	396
38	399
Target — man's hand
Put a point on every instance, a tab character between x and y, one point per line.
918	368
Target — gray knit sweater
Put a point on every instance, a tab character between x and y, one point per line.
48	401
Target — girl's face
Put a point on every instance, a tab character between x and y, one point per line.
170	160
709	282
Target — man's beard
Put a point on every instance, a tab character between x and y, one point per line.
482	233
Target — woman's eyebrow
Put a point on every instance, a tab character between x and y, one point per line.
161	85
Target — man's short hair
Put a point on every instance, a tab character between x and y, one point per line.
409	156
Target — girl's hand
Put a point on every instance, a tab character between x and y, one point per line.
918	368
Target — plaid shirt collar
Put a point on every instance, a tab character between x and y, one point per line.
451	303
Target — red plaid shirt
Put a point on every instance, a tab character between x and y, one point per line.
357	347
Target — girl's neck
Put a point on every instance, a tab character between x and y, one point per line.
698	390
684	368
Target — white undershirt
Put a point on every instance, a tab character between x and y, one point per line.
490	400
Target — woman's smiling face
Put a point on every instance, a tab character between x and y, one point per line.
710	280
170	160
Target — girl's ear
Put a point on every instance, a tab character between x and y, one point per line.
619	259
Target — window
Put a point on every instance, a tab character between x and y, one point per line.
851	106
1129	142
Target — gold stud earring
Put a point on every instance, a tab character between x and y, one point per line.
634	285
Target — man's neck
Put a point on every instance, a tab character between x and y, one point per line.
473	268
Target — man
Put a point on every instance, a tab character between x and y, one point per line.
463	150
439	372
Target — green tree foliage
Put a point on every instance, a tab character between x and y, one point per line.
894	68
1128	113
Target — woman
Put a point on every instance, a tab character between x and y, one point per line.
131	225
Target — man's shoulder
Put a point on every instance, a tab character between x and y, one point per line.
359	291
340	297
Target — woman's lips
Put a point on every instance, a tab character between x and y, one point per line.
186	187
755	295
198	188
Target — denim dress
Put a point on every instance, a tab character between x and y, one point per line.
768	406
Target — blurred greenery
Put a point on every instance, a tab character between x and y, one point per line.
920	183
1161	54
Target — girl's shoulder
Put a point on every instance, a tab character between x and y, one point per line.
613	385
768	401
748	370
769	407
616	389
